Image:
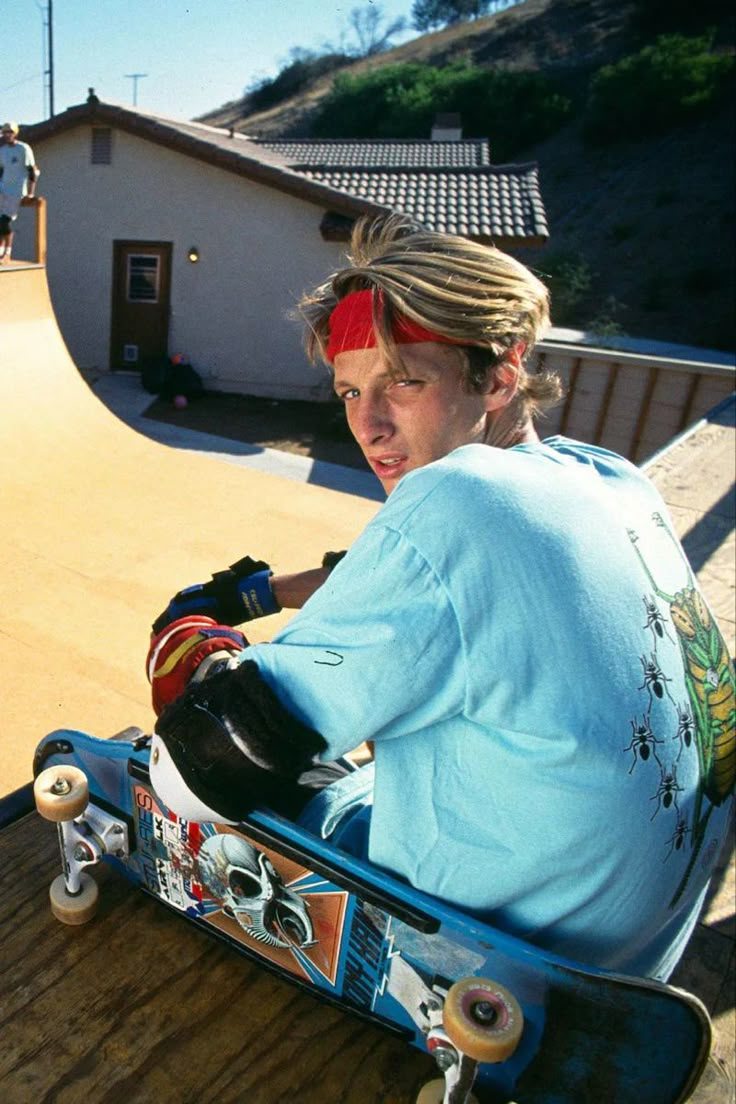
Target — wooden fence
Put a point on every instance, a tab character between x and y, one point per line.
627	402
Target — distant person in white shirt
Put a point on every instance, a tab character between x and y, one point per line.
18	176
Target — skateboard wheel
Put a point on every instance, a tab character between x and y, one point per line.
434	1093
483	1019
61	793
74	908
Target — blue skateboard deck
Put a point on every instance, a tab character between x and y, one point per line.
359	938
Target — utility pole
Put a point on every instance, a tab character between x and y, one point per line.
135	77
49	70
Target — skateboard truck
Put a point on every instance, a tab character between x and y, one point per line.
475	1020
459	1071
86	833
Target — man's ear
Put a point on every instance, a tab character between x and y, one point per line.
505	379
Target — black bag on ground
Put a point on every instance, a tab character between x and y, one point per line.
160	376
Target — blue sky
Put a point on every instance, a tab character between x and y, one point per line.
197	55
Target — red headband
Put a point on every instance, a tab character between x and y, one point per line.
351	327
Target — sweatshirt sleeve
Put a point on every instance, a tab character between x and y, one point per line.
376	653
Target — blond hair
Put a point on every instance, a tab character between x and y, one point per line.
478	296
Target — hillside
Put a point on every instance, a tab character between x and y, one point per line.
642	230
554	35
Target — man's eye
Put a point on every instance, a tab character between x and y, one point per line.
348	394
408	383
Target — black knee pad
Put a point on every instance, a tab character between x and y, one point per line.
5	225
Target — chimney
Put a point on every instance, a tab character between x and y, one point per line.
447	127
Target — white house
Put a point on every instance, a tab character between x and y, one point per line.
169	237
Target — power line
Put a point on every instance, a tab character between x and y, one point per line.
23	80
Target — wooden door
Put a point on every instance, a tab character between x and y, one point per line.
140	303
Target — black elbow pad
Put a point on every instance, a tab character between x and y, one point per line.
235	746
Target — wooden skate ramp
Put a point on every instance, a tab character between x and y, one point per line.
100	525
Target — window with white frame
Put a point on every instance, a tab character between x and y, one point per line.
144	273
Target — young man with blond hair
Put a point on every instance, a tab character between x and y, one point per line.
509	635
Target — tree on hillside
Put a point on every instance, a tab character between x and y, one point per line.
428	14
372	34
677	77
402	100
301	67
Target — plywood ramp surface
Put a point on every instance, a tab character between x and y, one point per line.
100	525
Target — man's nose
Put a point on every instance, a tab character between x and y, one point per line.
371	421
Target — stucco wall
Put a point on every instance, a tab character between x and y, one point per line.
259	249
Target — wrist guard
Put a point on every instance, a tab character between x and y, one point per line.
241	593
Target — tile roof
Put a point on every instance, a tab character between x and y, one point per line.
501	202
219	148
447	185
379	153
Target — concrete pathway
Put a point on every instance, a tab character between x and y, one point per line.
123	394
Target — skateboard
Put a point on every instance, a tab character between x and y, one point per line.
504	1021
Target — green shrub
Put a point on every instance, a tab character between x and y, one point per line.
606	322
293	78
513	110
646	93
569	279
